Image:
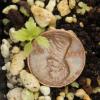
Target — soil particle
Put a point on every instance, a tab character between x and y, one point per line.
16	18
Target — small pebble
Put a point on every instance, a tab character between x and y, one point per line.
58	17
63	7
60	98
29	81
51	5
88	81
75	84
17	63
96	90
43	17
45	90
14	94
81	24
10	85
12	34
4	68
72	4
47	97
82	94
5	50
30	2
12	79
70	96
8	8
62	94
39	3
41	98
15	50
69	19
74	19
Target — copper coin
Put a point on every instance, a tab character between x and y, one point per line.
61	63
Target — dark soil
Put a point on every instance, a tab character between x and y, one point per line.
90	37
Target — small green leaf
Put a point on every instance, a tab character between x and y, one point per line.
27	49
21	35
32	28
30	25
37	31
42	41
30	32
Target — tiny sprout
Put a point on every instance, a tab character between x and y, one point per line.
29	33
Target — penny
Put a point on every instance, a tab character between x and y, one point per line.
59	64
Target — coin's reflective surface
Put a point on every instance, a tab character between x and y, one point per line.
61	63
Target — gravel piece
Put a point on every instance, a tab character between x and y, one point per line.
47	98
14	94
8	8
17	63
63	7
29	81
60	98
43	17
45	90
70	96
